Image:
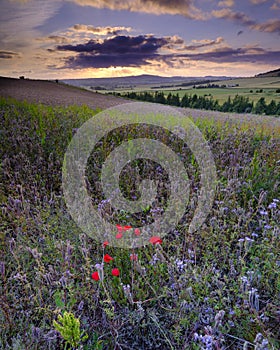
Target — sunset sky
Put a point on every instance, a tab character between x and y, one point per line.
55	39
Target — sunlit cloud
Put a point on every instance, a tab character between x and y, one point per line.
101	30
198	44
58	39
226	3
257	2
176	7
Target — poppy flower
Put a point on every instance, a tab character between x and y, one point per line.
95	276
127	227
137	232
119	235
155	240
107	258
105	244
115	272
119	227
133	257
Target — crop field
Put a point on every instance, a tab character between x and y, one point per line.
222	94
253	88
217	288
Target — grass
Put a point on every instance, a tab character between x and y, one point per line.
215	289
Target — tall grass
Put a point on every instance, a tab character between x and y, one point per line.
216	289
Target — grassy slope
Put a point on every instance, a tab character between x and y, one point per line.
46	261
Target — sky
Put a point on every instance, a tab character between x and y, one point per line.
56	39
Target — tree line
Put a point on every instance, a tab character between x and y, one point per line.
237	104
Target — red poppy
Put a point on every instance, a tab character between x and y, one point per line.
105	244
137	232
155	240
119	227
107	258
127	227
119	235
95	276
115	272
133	257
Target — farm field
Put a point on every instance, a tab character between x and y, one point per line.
219	286
222	94
252	88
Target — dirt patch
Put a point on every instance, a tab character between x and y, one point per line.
55	94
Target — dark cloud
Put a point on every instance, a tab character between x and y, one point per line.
121	51
128	51
8	54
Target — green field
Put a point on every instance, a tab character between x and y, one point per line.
248	87
222	94
60	290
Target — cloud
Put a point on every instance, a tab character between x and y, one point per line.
226	3
147	50
198	44
20	20
237	17
158	7
58	39
101	30
122	51
276	5
8	54
271	26
257	2
224	55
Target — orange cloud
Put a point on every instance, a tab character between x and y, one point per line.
226	3
176	7
101	30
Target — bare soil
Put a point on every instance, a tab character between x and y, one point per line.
55	94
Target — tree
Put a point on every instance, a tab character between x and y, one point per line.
185	102
271	108
261	106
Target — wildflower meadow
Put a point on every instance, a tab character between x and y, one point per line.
217	288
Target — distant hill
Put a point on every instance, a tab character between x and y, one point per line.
272	73
139	80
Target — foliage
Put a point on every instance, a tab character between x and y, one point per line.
69	328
